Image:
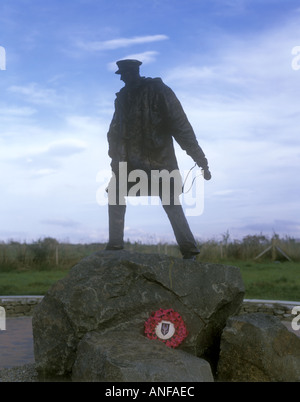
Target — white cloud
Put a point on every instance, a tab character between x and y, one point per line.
248	91
43	172
61	222
16	111
120	42
60	149
46	160
188	74
36	94
243	63
65	148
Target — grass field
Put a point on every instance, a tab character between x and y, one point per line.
32	269
270	280
28	283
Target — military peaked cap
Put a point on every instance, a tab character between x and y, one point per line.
127	65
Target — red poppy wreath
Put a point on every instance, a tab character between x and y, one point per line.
166	326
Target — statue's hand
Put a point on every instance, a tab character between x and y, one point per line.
205	169
206	174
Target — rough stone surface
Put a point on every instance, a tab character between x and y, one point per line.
126	357
118	290
258	347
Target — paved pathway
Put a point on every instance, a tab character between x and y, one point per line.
16	343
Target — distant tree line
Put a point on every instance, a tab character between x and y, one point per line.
49	253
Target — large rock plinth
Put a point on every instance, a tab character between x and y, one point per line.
116	291
258	347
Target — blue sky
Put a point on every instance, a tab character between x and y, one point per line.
228	61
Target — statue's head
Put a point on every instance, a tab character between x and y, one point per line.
129	70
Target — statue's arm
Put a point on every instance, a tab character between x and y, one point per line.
182	130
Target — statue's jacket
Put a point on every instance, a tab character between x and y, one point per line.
146	119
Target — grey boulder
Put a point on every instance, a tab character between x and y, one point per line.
127	357
258	347
118	290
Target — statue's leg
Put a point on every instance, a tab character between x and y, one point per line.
116	217
182	231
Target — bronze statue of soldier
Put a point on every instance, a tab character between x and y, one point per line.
147	117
